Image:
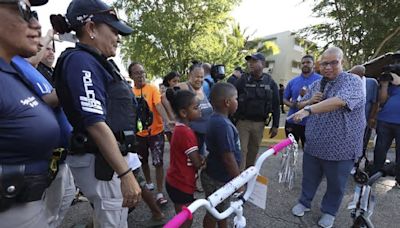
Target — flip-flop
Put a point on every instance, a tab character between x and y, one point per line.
162	201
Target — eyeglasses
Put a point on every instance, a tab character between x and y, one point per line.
24	10
138	73
331	63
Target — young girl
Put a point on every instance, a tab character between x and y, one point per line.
169	81
185	159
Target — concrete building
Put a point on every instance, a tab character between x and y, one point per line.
285	64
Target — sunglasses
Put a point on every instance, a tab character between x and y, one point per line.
24	10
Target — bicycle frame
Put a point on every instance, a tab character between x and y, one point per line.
363	204
247	176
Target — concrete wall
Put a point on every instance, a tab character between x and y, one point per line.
282	70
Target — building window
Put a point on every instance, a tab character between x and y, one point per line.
269	67
296	67
296	64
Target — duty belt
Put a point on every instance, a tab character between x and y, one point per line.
17	187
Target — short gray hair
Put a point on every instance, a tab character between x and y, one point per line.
334	50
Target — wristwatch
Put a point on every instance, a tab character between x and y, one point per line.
308	109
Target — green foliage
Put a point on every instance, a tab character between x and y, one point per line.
269	48
169	34
364	29
265	46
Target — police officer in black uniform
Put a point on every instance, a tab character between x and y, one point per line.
100	106
26	122
258	98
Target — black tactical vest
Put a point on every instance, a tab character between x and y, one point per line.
255	100
121	103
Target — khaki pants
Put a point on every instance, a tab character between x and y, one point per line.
25	215
250	134
59	196
105	196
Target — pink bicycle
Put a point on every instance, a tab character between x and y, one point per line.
248	176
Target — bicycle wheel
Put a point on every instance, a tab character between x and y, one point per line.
360	222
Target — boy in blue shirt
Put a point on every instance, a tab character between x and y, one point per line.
222	140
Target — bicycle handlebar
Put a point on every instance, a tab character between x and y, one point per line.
221	194
180	218
283	144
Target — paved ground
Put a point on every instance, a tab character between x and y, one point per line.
279	203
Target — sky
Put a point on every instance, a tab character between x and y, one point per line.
257	17
265	17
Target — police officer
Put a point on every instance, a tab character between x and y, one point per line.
26	122
99	105
61	192
258	96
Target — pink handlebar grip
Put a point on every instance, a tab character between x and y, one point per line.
179	219
278	147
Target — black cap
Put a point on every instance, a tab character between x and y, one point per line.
81	11
256	56
238	68
38	2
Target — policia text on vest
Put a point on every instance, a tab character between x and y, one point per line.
121	113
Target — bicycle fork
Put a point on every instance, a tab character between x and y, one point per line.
239	220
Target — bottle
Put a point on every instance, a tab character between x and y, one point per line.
139	125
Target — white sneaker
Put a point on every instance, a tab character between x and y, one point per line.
82	198
150	186
299	209
326	221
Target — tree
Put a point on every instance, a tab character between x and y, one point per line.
226	46
169	34
364	29
266	46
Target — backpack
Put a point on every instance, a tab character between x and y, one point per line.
144	114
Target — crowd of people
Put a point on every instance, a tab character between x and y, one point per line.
81	125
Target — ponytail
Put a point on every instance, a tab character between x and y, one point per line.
195	64
60	24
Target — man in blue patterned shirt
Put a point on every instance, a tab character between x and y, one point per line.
335	108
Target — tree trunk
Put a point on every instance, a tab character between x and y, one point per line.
384	41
